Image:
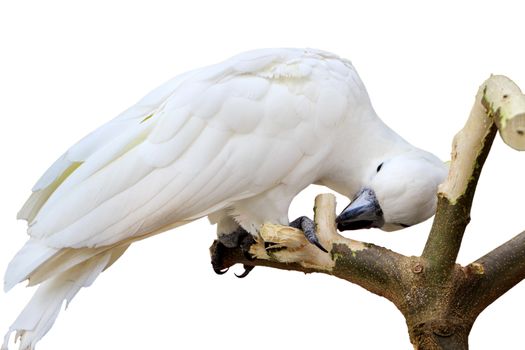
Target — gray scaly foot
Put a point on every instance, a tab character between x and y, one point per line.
307	225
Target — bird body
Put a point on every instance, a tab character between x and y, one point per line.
236	142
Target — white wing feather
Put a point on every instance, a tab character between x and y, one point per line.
85	148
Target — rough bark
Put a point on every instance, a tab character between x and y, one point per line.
439	298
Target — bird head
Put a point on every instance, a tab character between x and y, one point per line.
401	192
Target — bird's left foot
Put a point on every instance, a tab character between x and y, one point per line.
239	238
307	225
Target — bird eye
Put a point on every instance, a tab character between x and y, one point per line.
379	167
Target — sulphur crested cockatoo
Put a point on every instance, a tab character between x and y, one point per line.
235	142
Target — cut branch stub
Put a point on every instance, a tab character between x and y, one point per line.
499	101
505	103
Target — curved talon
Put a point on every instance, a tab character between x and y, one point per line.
247	270
219	271
317	244
306	225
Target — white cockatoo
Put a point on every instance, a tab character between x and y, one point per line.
235	142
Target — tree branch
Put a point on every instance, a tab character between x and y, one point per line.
374	268
499	105
495	273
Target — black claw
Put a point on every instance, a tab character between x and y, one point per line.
272	247
318	244
219	271
247	270
308	227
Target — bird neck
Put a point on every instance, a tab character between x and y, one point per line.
362	144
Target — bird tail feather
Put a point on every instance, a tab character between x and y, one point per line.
28	259
40	313
61	273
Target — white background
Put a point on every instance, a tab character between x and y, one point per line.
67	68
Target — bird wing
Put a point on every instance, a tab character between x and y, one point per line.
193	146
95	141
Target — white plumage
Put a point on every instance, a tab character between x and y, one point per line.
234	141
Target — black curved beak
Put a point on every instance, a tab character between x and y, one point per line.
363	212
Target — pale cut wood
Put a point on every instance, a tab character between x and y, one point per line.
499	100
506	104
298	249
